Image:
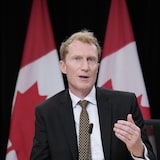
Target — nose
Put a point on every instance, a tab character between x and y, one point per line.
84	64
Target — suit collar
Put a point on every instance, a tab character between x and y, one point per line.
90	97
67	118
104	111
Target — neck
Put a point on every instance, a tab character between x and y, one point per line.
81	93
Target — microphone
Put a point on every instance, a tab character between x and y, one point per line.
90	128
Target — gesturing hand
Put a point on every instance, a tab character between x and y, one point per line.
130	134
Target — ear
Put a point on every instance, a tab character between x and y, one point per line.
62	66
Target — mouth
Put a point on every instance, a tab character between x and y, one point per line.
84	77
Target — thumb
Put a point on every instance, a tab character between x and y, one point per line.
129	118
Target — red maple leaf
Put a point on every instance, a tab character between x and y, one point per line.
22	121
108	84
144	109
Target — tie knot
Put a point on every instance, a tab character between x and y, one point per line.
83	103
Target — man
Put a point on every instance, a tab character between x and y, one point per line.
117	131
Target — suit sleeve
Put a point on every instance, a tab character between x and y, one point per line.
40	148
138	118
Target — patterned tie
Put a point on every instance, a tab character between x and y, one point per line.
84	136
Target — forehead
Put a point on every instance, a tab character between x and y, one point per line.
82	47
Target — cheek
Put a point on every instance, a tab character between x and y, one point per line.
95	70
71	69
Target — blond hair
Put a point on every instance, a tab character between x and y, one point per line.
83	36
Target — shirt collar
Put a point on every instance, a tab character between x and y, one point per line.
91	97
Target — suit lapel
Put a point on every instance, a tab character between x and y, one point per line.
104	111
68	122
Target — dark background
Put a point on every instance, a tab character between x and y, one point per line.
68	16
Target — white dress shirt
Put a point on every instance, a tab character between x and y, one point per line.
96	142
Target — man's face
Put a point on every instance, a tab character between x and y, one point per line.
80	66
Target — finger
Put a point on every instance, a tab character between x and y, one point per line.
124	128
130	119
125	136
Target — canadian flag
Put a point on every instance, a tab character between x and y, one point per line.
39	78
120	67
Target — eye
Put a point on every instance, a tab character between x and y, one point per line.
77	58
92	60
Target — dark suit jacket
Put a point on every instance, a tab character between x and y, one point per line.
55	132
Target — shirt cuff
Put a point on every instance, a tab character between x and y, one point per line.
145	154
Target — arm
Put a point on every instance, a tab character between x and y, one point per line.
133	134
40	143
130	134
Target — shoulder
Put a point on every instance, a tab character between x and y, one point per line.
114	93
116	96
119	101
54	100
